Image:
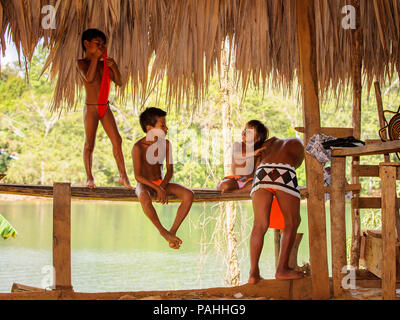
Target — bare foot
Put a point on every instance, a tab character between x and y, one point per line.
289	275
176	244
174	241
90	183
254	279
124	181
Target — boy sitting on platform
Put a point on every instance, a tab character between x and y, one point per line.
245	157
149	154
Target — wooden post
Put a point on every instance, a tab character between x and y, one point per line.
388	180
314	171
357	45
381	116
233	270
295	250
338	222
62	235
277	245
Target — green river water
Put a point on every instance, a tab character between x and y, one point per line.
116	248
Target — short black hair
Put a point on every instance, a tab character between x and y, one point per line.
261	130
150	116
90	34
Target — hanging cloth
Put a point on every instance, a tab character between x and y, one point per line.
104	88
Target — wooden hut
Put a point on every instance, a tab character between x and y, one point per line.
321	44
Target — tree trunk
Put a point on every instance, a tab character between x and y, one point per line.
233	270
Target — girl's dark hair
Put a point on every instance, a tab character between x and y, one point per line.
150	116
262	132
90	34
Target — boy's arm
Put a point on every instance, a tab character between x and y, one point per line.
115	75
88	73
238	152
169	164
137	165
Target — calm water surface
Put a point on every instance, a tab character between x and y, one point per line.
116	248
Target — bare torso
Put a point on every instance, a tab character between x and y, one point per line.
92	88
288	151
149	170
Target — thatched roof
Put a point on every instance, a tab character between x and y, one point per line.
182	39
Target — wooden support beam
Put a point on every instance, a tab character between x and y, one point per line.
62	236
371	149
308	80
333	132
295	250
357	48
381	116
366	170
356	72
389	237
338	222
277	245
370	203
372	171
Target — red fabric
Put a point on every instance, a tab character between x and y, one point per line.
104	88
276	220
157	182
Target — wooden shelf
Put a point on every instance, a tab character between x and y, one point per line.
371	149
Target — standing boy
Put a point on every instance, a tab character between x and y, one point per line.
96	76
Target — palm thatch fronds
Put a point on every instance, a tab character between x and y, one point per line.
181	41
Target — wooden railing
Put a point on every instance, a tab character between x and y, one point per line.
388	172
62	193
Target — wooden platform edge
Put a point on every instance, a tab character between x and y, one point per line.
122	194
273	289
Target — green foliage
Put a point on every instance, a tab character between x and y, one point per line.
372	219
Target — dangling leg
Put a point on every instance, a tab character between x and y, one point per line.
186	196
